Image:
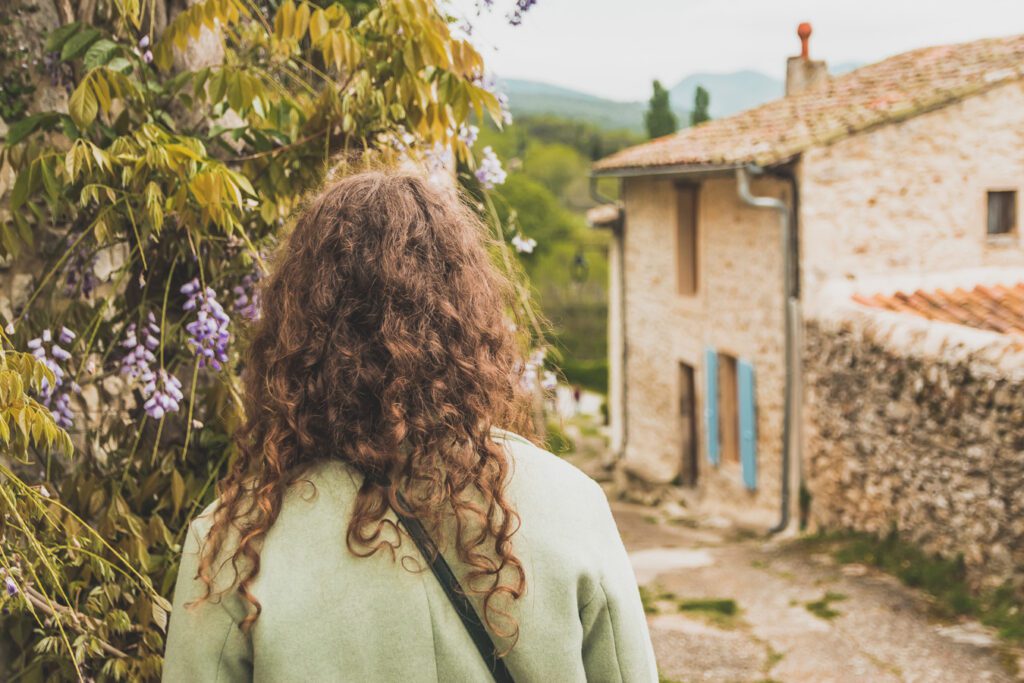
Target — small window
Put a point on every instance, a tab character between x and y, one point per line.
686	239
728	409
1002	212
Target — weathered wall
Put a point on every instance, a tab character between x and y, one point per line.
911	197
919	426
616	347
737	310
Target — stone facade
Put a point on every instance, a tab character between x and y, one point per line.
910	198
919	427
894	206
737	310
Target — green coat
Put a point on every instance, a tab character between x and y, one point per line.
330	616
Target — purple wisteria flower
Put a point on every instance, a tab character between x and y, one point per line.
140	344
438	160
56	396
489	82
468	134
147	56
164	393
80	274
208	333
490	172
161	391
10	587
247	297
515	17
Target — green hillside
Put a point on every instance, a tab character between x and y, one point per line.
531	97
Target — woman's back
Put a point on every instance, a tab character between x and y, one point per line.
329	615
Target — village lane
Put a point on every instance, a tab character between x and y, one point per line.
728	606
732	605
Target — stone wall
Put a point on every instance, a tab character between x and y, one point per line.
919	427
737	310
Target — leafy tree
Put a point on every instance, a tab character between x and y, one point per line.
660	119
159	190
701	101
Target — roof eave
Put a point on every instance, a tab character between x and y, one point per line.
670	169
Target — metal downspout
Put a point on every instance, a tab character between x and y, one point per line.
790	426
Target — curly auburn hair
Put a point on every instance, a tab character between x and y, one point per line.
384	342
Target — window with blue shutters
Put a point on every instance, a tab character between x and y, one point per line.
711	405
748	422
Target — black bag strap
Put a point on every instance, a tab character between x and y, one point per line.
452	588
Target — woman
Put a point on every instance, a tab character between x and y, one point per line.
379	374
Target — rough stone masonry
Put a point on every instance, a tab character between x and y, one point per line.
929	443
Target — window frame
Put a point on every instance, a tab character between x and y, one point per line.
1014	211
687	279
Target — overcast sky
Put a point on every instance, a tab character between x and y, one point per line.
614	48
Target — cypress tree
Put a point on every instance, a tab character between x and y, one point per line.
659	117
701	101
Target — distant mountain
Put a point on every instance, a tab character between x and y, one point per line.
730	93
532	97
843	67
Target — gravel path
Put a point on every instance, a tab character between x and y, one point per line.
799	616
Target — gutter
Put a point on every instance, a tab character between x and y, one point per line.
790	425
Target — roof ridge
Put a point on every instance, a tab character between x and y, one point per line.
890	90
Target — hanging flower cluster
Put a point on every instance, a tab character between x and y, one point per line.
140	344
56	397
489	82
161	391
144	51
208	333
438	161
468	134
490	172
247	297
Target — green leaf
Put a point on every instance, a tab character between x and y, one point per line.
120	64
83	105
22	129
49	181
79	43
59	36
100	53
22	188
177	490
68	126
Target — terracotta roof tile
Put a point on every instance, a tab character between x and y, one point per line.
891	90
997	308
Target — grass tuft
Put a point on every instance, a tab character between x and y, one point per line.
945	579
823	608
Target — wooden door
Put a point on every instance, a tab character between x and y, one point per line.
688	424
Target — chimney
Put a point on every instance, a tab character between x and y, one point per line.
804	73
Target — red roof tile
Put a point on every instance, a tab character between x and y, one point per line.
891	90
997	309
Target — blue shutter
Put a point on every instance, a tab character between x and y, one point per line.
748	422
711	404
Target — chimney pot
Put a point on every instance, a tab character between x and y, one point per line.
804	73
804	31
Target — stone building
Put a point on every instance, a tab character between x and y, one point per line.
738	242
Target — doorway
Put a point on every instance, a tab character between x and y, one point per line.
688	425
